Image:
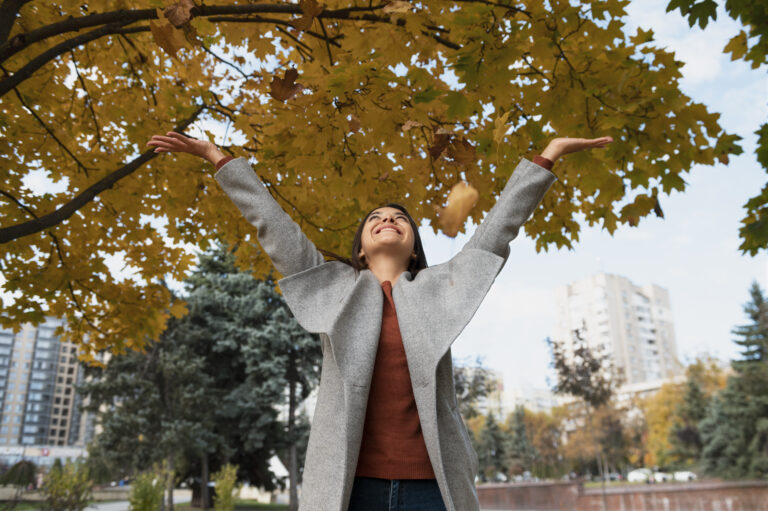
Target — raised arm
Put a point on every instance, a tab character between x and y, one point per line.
521	195
280	237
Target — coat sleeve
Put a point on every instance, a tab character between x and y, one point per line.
280	237
520	197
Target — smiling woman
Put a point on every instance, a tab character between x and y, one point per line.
386	433
386	241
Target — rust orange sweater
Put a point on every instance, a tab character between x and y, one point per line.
393	446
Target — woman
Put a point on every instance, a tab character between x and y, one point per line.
386	433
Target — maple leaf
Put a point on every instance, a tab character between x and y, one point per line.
179	13
310	9
439	142
461	200
397	6
283	89
167	37
353	123
462	152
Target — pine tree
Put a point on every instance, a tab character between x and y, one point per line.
492	452
520	452
684	438
735	430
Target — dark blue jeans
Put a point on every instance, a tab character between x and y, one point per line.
374	494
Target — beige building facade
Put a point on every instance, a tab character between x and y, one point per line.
633	323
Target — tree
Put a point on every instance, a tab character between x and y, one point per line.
519	450
473	383
545	430
734	432
342	106
750	45
684	439
492	455
208	392
585	372
659	411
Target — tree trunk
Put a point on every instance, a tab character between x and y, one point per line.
205	504
597	454
293	469
171	480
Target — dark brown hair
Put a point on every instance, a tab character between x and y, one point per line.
415	265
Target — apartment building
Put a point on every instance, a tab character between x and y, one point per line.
38	402
633	323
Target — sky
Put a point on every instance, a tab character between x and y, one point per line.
692	252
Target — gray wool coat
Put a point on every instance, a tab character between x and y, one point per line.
345	308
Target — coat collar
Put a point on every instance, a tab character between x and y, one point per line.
432	310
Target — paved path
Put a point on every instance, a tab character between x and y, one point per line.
122	505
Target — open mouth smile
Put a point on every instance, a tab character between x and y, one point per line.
392	227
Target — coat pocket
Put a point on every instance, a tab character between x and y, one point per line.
465	438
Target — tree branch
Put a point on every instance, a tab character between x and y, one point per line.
17	231
8	11
112	23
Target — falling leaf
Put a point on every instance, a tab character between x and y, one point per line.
384	176
353	123
179	13
462	198
397	6
167	37
310	9
283	89
462	152
411	124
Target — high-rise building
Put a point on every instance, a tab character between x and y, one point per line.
38	402
632	323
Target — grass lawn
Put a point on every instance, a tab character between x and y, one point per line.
240	505
24	506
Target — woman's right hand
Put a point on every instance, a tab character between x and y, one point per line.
177	143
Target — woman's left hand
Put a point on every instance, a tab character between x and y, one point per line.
560	146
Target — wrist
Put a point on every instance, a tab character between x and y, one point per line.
551	152
214	155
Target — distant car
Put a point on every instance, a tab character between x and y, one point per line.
639	475
662	477
613	476
685	475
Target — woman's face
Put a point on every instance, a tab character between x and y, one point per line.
387	231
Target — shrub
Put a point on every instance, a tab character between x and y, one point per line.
67	487
147	491
226	488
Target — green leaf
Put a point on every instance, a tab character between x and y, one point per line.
459	107
427	95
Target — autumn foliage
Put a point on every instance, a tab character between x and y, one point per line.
340	106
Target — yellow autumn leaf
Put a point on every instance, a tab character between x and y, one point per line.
461	200
167	37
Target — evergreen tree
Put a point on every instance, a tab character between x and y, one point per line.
492	450
209	393
685	439
734	431
520	452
